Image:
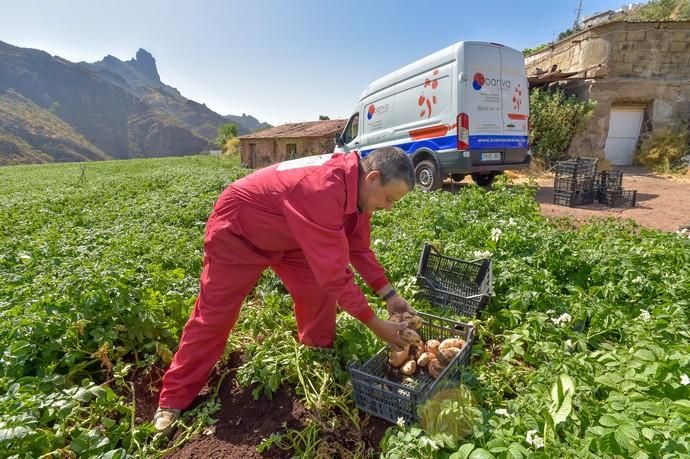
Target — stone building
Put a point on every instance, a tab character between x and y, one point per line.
289	141
638	73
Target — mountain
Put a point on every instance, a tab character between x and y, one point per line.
52	109
247	122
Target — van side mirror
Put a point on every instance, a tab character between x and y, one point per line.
339	140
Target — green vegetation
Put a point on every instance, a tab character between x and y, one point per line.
226	132
555	118
583	352
663	10
662	148
536	49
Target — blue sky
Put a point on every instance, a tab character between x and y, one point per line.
279	60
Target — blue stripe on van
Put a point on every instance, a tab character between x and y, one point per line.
439	143
449	142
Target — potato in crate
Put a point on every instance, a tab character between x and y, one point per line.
461	286
383	387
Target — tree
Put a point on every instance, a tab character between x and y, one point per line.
226	132
555	118
324	118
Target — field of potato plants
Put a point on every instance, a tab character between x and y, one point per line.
583	352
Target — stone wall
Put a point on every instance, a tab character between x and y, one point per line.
274	150
627	64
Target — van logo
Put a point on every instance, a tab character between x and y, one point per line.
372	110
517	98
428	100
479	81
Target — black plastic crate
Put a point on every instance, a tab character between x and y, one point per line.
378	389
611	180
617	198
583	168
576	198
446	282
573	184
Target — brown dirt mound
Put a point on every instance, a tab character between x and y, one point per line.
244	422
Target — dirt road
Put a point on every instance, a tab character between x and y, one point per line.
662	203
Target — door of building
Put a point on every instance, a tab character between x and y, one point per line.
624	130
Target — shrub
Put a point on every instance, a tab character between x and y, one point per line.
555	119
661	148
232	147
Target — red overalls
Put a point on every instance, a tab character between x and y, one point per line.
300	218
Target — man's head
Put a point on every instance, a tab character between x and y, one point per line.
386	176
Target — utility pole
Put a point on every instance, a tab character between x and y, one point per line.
578	13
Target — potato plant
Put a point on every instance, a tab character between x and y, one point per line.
583	352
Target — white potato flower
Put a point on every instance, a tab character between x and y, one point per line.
496	234
534	439
644	316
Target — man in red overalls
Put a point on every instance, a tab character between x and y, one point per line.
307	219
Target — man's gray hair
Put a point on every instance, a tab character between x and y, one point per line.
392	163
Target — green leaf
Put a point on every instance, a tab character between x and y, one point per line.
648	433
608	421
627	434
644	354
683	406
463	452
608	444
562	397
481	453
517	451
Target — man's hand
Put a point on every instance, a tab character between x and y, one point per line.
398	304
388	331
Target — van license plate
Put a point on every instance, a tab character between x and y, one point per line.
491	156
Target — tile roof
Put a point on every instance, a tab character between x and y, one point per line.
306	129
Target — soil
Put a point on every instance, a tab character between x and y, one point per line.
244	422
662	202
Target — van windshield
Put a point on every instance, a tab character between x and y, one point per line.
352	128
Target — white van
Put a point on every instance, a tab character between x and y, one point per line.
462	110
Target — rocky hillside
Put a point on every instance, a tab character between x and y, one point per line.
55	110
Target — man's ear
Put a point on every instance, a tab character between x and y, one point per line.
372	176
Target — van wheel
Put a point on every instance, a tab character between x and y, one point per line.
427	176
483	179
457	177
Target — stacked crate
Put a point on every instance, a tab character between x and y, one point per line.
575	182
610	190
459	286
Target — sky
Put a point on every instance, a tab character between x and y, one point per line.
278	60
